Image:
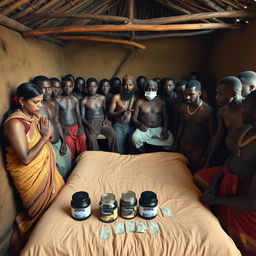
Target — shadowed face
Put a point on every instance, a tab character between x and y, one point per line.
46	88
56	88
169	87
224	95
179	90
67	87
92	88
191	95
79	84
105	88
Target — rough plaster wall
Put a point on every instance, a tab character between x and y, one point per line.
22	59
174	57
234	52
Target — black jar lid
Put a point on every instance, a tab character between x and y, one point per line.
148	197
80	197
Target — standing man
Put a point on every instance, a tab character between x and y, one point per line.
196	126
51	110
231	188
70	119
150	118
56	87
93	111
120	111
79	88
230	102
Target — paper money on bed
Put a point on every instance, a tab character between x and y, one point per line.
141	227
166	211
154	228
104	233
119	228
130	226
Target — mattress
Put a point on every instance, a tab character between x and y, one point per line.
192	230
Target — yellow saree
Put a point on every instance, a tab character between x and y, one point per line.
37	183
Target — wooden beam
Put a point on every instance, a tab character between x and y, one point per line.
126	59
14	6
179	34
3	3
94	28
172	6
131	11
15	25
156	21
102	39
196	16
75	16
212	5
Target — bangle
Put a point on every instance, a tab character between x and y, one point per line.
43	139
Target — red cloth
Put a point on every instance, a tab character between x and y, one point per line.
193	153
239	224
76	144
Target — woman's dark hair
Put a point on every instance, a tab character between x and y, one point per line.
25	90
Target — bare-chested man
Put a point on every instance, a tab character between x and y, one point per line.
196	126
105	89
150	118
232	187
230	119
248	80
120	111
93	111
70	119
56	87
51	109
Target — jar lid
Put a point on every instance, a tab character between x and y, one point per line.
148	195
108	198
80	196
128	196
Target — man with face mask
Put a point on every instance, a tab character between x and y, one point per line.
120	111
150	118
196	126
230	102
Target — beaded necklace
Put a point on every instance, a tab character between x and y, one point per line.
241	143
193	112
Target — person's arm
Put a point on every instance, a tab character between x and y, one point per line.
180	130
79	119
105	121
243	202
164	134
135	116
112	113
15	132
216	140
84	120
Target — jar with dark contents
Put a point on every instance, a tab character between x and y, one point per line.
128	205
148	205
108	208
81	205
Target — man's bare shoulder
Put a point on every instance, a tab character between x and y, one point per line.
101	97
207	107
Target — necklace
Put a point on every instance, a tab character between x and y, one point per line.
241	143
193	112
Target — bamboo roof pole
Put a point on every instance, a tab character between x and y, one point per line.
47	6
131	9
102	39
156	21
126	59
3	3
94	28
172	6
212	5
15	25
14	6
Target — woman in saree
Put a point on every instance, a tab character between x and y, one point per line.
30	160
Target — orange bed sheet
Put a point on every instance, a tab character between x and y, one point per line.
192	231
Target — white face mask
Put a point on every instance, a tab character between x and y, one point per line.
150	95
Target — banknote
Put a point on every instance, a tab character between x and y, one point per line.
130	226
119	228
104	233
154	228
166	211
141	227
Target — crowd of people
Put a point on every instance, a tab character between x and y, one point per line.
52	121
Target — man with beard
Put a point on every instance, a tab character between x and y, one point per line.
120	111
231	188
196	126
230	119
150	118
93	111
70	119
51	110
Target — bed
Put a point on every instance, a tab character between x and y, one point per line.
192	230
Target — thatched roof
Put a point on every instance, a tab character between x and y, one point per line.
123	20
